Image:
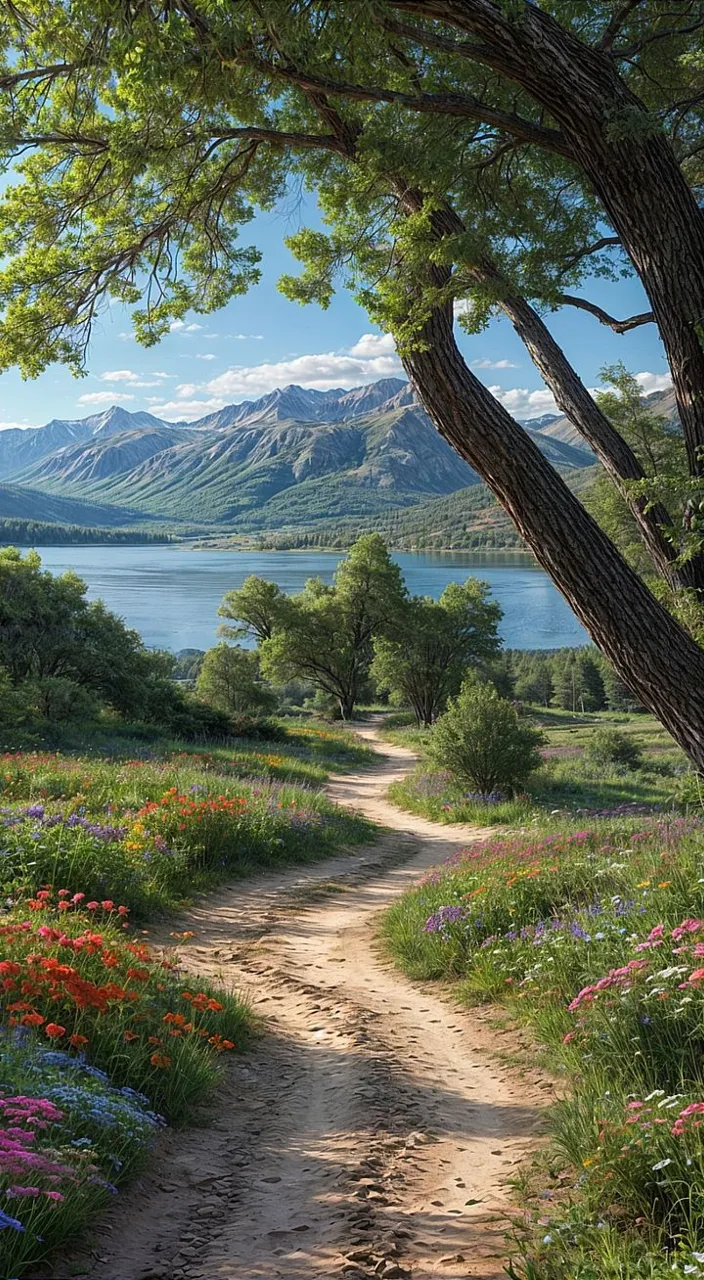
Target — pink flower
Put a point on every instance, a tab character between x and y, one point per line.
696	975
107	904
53	1195
91	906
688	926
78	897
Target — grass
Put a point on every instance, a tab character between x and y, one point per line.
593	937
569	782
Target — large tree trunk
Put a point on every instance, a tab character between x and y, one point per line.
650	651
609	135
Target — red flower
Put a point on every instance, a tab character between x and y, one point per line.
160	1060
32	1020
54	1030
107	905
77	1041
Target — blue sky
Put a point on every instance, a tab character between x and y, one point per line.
262	341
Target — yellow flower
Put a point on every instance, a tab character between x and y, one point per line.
644	884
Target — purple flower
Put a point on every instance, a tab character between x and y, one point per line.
443	917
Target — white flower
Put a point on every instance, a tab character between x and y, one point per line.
662	1164
547	1239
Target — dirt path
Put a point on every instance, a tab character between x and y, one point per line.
372	1130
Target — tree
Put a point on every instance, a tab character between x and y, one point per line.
257	607
427	657
53	639
568	690
229	680
592	695
482	740
326	633
153	137
534	681
618	695
665	484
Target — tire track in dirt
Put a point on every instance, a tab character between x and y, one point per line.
372	1128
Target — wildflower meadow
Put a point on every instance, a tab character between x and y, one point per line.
593	937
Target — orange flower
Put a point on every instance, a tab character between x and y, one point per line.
54	1030
160	1060
32	1020
154	1039
77	1041
130	1035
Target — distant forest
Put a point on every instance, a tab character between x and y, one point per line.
43	533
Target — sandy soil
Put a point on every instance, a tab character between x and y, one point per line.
372	1129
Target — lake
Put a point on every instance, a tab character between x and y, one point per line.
171	594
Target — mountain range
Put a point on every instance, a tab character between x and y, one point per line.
290	458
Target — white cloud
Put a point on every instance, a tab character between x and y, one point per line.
103	397
247	337
16	426
188	410
180	326
650	382
494	364
373	344
207	355
132	379
522	403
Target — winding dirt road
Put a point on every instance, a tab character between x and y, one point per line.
372	1129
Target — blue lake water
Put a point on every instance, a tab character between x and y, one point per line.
171	594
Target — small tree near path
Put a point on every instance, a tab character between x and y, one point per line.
482	741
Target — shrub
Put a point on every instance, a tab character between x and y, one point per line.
610	747
481	740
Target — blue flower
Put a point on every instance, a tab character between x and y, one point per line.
7	1221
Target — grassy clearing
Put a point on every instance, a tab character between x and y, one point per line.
594	938
568	783
102	1040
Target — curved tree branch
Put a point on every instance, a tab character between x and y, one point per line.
618	326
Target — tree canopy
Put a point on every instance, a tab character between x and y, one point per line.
325	633
491	153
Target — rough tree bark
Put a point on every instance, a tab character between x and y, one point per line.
627	160
651	652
